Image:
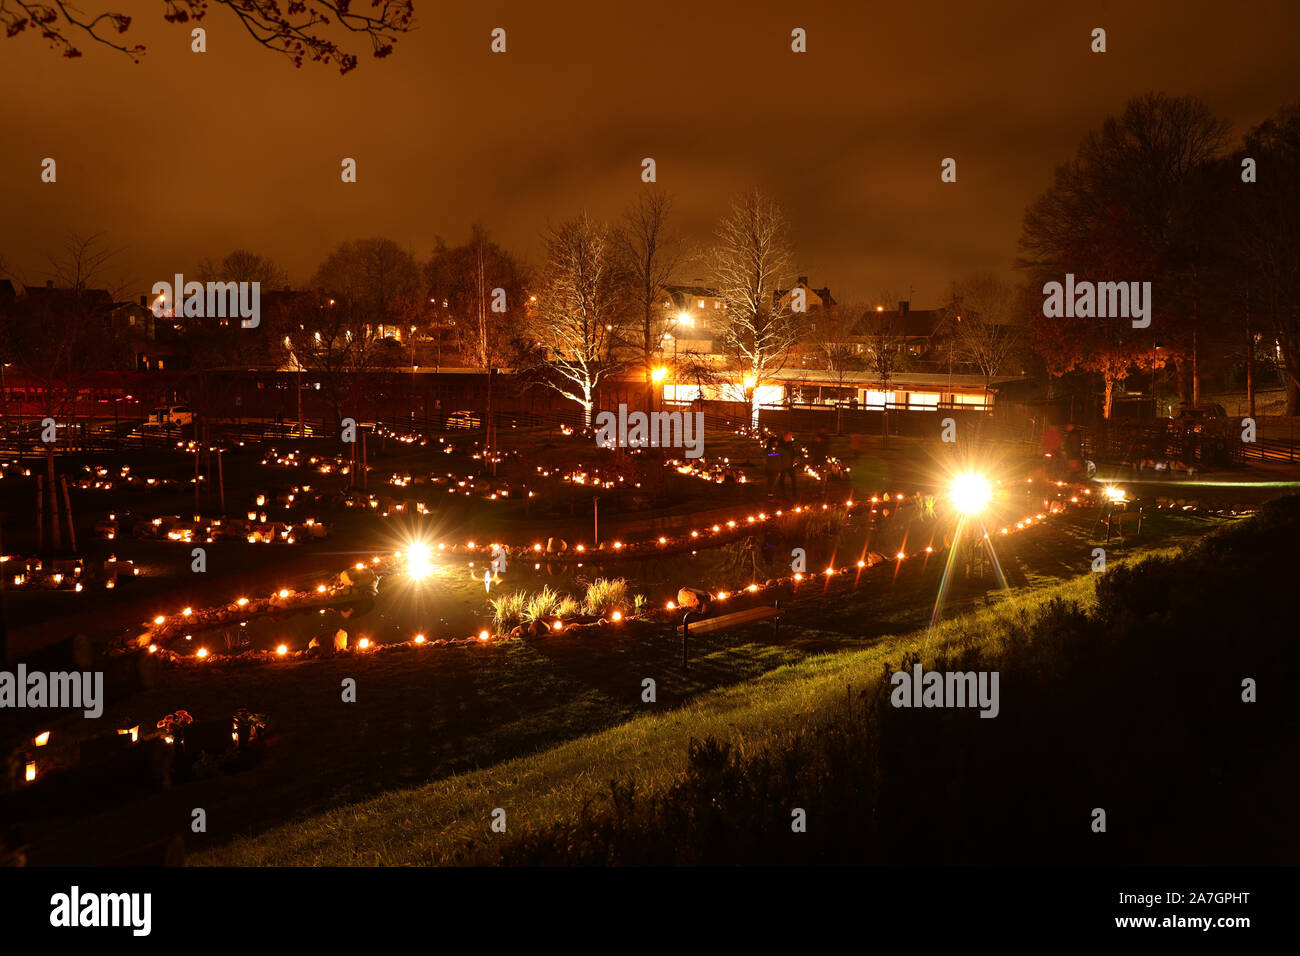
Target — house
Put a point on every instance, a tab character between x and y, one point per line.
693	318
813	299
917	331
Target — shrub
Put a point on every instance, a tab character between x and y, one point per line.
509	609
541	606
605	595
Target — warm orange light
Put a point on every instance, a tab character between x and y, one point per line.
483	635
159	619
419	638
363	643
282	649
242	601
42	738
201	653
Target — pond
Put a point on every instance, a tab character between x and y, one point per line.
452	600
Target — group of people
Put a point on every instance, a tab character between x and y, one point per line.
781	464
1065	451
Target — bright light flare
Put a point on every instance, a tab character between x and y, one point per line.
971	493
419	561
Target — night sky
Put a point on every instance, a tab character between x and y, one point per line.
191	155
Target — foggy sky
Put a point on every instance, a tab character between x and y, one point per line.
191	155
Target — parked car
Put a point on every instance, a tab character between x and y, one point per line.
173	415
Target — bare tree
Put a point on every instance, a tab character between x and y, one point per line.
884	333
376	279
244	266
749	262
647	256
983	321
1267	231
832	334
462	280
293	30
577	311
57	337
330	338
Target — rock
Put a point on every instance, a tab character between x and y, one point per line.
556	545
340	640
537	628
517	633
874	557
359	578
693	599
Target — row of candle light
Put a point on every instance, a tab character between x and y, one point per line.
381	565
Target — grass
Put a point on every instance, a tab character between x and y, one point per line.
509	609
605	595
447	821
541	605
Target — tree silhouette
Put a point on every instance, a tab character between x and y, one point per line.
295	30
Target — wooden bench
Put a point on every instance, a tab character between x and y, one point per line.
694	623
1117	517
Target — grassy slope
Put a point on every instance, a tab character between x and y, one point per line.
448	821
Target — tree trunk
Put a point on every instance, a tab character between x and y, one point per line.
1250	359
1196	366
56	532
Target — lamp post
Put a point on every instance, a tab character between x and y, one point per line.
1155	406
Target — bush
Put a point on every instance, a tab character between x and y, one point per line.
605	595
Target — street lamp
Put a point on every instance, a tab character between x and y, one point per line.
1155	407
